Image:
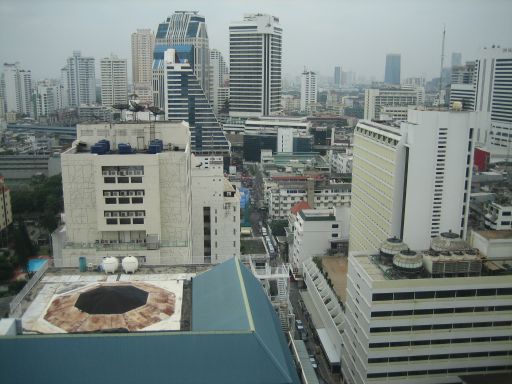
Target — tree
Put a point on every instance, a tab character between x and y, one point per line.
277	227
23	246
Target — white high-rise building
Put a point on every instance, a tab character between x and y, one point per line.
185	32
413	182
308	90
17	84
487	91
143	43
219	77
64	88
48	97
135	188
255	55
400	99
81	80
426	316
114	81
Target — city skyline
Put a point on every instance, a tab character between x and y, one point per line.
362	50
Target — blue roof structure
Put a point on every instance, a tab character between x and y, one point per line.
235	338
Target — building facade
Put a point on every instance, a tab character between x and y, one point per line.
219	76
143	43
255	55
81	80
337	77
185	100
48	97
308	91
499	216
5	205
181	28
114	81
392	72
17	89
393	98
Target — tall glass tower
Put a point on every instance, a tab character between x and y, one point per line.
392	75
181	28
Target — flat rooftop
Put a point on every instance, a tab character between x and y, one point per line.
66	300
502	234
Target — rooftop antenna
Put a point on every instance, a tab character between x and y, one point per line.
442	63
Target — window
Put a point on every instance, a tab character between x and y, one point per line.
124	200
334	235
382	296
137	200
109	180
111	221
123	180
336	225
137	179
110	200
138	220
124	221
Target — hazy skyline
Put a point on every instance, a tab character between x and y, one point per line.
320	35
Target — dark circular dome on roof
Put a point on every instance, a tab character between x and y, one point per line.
110	300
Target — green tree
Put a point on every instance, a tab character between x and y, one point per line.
23	246
278	226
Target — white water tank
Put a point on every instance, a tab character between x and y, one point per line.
110	264
130	264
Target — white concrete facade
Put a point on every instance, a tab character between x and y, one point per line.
498	216
219	75
374	99
81	80
284	139
114	81
48	97
143	42
424	330
17	83
308	90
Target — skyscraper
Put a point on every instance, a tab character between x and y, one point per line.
392	75
47	97
456	59
255	47
219	76
114	81
17	83
337	77
185	101
181	28
143	43
413	182
81	80
308	90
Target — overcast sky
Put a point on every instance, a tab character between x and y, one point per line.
319	34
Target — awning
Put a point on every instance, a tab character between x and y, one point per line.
328	347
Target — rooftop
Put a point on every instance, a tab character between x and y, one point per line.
502	234
317	215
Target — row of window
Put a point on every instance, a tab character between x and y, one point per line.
415	343
130	192
456	371
436	311
123	170
124	200
440	294
376	360
122	180
124	213
125	220
428	327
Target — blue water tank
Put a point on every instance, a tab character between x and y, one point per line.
99	149
107	144
124	149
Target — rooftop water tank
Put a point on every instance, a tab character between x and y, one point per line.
390	248
408	261
124	149
448	241
110	264
130	264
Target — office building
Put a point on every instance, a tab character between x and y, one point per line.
17	89
181	28
456	59
411	182
114	81
255	48
487	93
5	205
397	100
308	91
182	324
337	77
185	100
219	76
392	72
81	80
143	43
48	97
499	216
426	316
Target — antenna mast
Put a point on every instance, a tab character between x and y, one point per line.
442	63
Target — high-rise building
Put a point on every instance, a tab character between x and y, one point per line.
5	205
487	91
308	90
181	28
426	316
47	97
392	74
81	80
17	84
143	43
456	59
337	77
136	187
411	182
392	100
64	87
185	100
114	81
219	78
255	49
